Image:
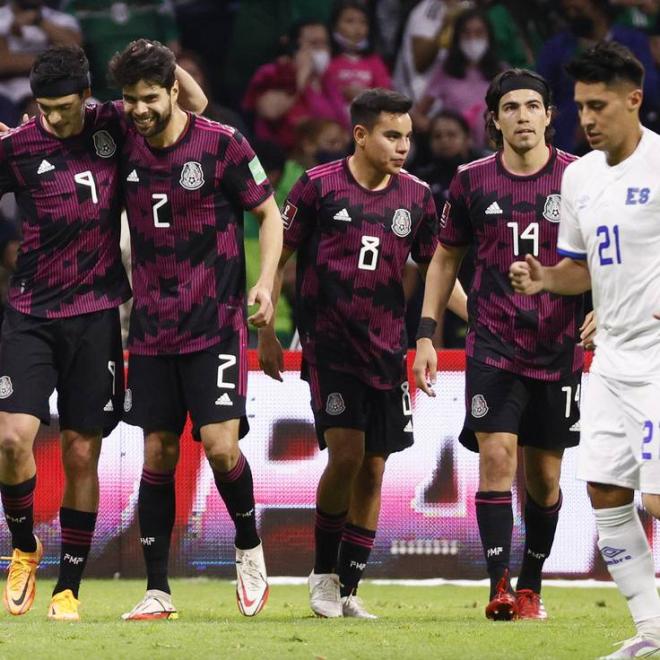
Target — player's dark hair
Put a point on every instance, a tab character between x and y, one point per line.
367	106
57	66
505	82
143	60
607	62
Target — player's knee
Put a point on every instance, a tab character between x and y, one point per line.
222	455
497	463
543	489
80	458
346	460
14	447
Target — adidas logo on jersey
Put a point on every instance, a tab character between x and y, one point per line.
408	427
494	209
575	427
224	400
45	166
133	177
342	216
109	407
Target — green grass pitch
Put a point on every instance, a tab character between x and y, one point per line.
416	622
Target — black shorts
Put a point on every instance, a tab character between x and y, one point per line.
543	414
81	357
341	400
210	384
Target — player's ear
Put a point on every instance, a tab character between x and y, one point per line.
174	92
634	99
360	133
493	117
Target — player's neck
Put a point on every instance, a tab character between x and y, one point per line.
527	162
172	132
366	174
626	148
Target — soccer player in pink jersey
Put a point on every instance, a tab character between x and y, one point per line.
187	181
354	223
524	360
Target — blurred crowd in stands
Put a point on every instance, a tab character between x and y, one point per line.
285	71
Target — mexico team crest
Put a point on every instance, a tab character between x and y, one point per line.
401	222
104	145
479	406
335	404
192	175
6	388
551	208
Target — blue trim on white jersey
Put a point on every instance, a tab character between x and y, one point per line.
580	256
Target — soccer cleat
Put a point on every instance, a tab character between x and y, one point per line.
155	605
639	646
530	605
324	596
64	607
251	581
502	606
21	579
352	606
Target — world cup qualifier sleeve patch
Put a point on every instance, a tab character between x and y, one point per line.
288	214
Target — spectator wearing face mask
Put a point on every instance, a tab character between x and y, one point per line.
588	22
354	66
294	87
460	83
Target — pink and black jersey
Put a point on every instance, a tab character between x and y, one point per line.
68	194
352	245
506	217
185	210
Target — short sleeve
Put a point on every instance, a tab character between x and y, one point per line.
570	242
299	212
455	224
243	176
426	238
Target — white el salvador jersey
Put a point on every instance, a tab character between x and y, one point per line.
611	217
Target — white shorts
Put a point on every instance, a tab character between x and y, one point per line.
620	434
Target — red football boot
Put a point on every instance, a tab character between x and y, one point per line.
530	605
503	606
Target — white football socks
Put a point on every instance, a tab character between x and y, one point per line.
625	550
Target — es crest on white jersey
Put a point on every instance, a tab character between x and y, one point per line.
192	175
6	387
552	207
335	404
479	406
104	144
401	222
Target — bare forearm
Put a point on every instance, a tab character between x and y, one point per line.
191	95
568	278
270	242
12	64
458	301
440	281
